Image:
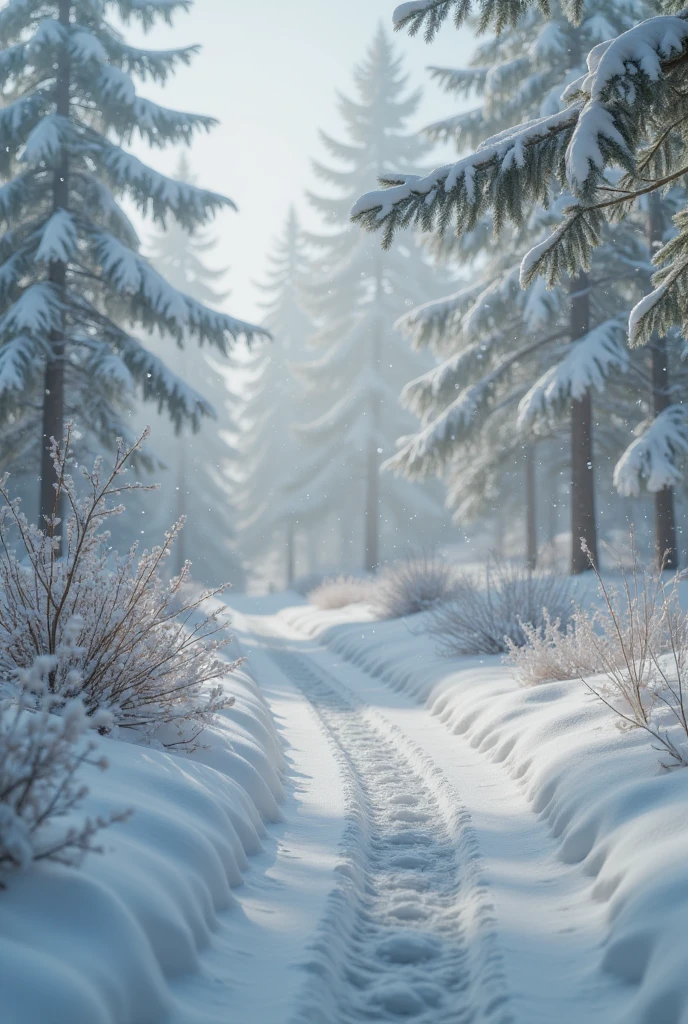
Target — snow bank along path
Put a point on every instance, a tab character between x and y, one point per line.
549	850
151	930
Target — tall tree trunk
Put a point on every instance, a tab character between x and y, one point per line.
312	549
53	389
583	526
531	509
552	509
665	518
290	553
372	470
181	501
372	514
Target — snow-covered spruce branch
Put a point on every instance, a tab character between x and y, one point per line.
496	176
587	365
623	112
127	641
430	15
650	461
429	451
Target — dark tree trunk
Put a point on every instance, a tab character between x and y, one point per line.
531	509
53	393
372	470
582	474
665	519
372	512
290	553
181	502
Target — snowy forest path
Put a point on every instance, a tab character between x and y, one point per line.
449	901
394	943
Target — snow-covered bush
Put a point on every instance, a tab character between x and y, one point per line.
553	652
127	641
40	758
339	591
636	643
491	615
413	585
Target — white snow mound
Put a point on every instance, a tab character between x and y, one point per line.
101	944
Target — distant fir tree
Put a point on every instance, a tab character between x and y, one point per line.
355	294
617	138
72	279
192	477
518	362
272	399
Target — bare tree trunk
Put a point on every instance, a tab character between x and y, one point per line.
290	553
583	526
372	514
312	549
665	518
181	501
53	391
372	471
531	509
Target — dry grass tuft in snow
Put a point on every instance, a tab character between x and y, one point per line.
636	645
552	652
125	640
492	615
413	585
340	591
40	758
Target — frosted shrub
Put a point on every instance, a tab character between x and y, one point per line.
642	657
413	585
40	758
126	641
492	615
552	652
636	644
340	591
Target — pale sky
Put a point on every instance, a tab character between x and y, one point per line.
268	71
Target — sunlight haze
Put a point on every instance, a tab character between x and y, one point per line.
269	72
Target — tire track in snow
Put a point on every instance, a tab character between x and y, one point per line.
409	931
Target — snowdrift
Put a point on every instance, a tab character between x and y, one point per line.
101	945
618	818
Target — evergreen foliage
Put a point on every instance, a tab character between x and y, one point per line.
512	364
355	294
617	136
193	463
73	282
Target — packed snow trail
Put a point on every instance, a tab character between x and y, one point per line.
395	942
450	900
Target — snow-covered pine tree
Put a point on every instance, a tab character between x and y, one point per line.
356	294
503	346
192	478
73	282
618	137
655	460
272	400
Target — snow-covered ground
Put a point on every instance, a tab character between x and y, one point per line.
373	833
203	900
571	843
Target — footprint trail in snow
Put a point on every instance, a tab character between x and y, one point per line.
398	940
